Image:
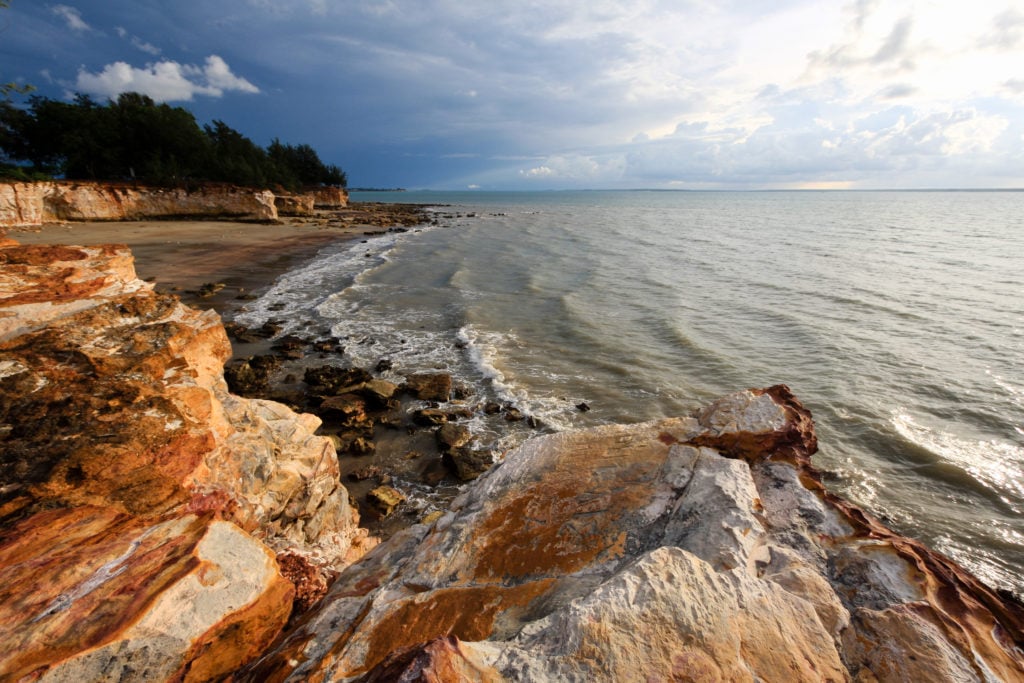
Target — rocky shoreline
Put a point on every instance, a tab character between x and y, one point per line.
155	525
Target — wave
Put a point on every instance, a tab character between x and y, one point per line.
995	466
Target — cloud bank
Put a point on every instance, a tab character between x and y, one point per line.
165	81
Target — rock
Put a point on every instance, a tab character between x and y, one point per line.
429	417
383	365
142	504
491	408
643	553
294	205
360	446
251	377
328	346
346	409
513	414
209	289
309	580
583	406
91	594
385	499
379	391
328	197
468	464
435	386
39	203
242	333
369	472
290	342
329	379
451	436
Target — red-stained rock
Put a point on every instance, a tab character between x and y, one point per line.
138	497
641	553
308	579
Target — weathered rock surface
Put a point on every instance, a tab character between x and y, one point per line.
53	202
700	548
141	504
294	205
328	197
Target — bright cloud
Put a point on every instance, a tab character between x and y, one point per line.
165	81
72	16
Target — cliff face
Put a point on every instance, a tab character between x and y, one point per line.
142	507
697	549
329	197
52	202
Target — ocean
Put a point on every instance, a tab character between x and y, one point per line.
896	317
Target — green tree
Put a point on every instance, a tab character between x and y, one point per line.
301	165
235	158
133	137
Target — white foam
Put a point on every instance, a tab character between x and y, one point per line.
999	465
296	295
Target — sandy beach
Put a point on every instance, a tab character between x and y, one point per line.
182	256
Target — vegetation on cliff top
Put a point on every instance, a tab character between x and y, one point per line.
134	138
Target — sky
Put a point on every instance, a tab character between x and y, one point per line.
564	94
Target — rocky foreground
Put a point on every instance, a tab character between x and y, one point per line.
155	527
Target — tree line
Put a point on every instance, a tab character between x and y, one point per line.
134	138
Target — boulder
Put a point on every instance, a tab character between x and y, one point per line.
385	499
466	463
329	379
143	504
434	386
451	436
429	417
678	549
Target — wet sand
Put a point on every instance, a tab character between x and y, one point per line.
182	256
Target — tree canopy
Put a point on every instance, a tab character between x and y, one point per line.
134	138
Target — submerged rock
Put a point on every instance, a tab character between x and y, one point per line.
696	548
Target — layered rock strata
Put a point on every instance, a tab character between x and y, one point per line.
142	507
701	549
39	203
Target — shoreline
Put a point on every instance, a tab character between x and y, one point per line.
181	256
221	265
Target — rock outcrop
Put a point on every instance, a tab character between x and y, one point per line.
142	505
328	197
39	203
154	527
698	549
294	205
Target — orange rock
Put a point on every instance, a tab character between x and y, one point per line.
138	497
683	549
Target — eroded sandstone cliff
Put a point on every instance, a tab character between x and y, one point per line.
142	505
53	202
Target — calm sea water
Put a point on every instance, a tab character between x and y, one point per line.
896	317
